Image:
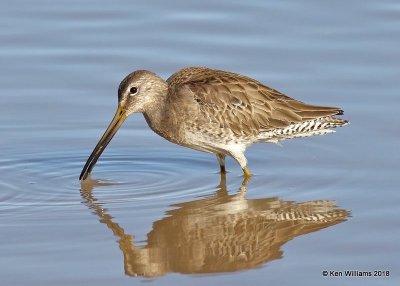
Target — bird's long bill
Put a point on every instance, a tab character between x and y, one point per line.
115	124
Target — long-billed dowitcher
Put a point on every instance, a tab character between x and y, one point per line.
214	111
223	232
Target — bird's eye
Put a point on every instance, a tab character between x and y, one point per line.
133	90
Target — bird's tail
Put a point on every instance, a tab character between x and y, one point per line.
318	126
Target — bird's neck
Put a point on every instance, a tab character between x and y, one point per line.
156	112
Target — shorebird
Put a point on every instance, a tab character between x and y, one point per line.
222	232
214	111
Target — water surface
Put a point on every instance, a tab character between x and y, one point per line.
160	213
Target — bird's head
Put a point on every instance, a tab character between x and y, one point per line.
139	91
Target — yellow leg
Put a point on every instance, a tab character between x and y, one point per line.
246	172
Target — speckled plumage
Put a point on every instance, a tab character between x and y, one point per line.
223	232
218	233
217	111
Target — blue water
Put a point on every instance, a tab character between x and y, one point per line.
61	63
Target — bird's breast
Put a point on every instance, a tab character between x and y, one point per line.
166	127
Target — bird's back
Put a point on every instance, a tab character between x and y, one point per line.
248	109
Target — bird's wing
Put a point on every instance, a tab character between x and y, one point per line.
242	104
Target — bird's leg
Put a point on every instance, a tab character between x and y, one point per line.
241	159
221	161
243	189
246	172
221	189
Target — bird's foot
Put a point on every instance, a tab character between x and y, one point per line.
246	173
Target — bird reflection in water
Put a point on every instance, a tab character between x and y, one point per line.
220	233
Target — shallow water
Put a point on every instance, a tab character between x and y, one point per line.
157	212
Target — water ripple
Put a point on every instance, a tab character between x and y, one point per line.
43	181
